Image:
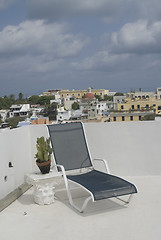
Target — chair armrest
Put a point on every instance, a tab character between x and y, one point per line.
105	163
62	169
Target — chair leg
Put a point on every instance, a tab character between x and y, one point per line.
69	193
85	203
128	200
81	210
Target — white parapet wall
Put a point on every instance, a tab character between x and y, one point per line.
130	148
17	149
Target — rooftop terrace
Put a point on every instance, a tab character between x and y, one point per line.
132	151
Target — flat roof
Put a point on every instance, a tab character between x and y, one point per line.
136	160
105	219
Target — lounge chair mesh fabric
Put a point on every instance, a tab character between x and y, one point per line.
69	145
70	150
103	185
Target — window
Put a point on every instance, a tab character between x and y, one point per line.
131	118
132	107
159	107
122	106
78	94
123	118
139	118
62	95
138	106
147	105
114	118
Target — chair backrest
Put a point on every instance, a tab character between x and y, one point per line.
69	145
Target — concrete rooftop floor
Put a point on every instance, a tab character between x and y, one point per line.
107	219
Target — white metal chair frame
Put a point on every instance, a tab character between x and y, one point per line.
91	197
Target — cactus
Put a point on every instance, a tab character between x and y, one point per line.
44	150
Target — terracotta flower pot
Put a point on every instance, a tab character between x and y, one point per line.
44	166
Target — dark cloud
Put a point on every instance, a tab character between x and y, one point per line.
108	10
6	3
61	9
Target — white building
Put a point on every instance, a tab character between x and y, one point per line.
21	110
77	114
102	107
63	115
142	95
3	114
68	103
36	109
159	93
118	99
56	100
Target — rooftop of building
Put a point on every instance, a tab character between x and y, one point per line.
133	152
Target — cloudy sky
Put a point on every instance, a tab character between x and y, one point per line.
75	44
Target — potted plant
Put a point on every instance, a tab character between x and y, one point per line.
43	155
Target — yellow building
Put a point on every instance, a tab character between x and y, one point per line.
140	105
77	93
131	116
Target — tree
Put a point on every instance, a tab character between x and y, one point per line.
119	94
51	111
20	96
75	106
33	99
12	97
14	121
5	102
45	100
108	98
98	97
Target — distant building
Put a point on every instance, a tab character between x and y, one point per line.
131	116
77	93
21	110
67	103
40	120
36	109
3	115
51	92
137	105
159	93
63	115
141	95
92	108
